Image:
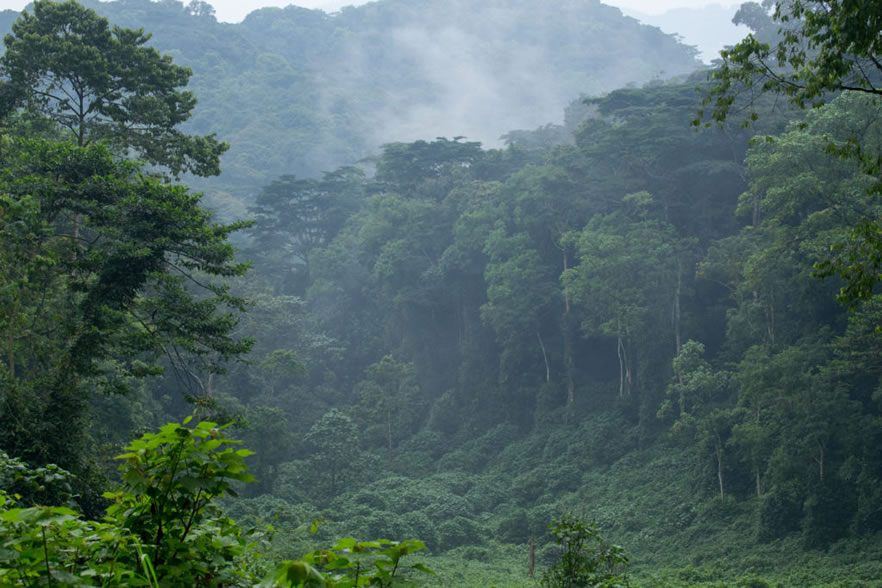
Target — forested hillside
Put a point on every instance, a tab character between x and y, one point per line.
300	91
638	347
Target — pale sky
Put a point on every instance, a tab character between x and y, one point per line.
235	10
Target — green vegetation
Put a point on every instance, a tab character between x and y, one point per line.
298	91
163	527
618	331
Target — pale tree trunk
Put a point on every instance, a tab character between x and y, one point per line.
624	368
545	358
619	348
820	460
719	452
628	372
568	343
566	294
675	313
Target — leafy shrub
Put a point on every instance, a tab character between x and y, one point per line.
457	483
162	525
416	524
45	485
514	527
292	482
170	482
487	493
529	486
586	559
448	506
477	453
54	545
457	532
538	517
349	563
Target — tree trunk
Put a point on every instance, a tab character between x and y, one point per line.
676	310
628	372
820	460
758	491
566	294
545	358
619	348
568	343
719	452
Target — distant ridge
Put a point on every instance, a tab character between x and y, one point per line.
300	91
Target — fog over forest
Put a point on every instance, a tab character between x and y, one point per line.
441	293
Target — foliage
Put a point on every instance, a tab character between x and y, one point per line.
43	485
170	482
294	216
389	402
103	84
99	264
161	528
586	559
351	563
501	326
108	269
822	49
334	454
164	527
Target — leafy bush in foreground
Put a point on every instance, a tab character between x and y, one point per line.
163	526
586	559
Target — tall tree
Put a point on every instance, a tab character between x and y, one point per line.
823	48
102	83
627	265
295	216
88	312
389	402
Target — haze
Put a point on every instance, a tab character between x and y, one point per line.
236	10
706	25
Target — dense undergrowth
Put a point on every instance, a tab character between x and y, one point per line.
479	508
